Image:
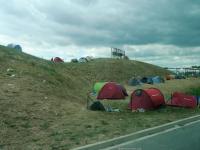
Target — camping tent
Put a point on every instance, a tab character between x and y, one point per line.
146	99
18	48
82	60
157	80
57	60
98	86
144	80
180	77
97	106
111	90
123	89
170	77
147	80
74	60
89	58
134	82
198	100
182	100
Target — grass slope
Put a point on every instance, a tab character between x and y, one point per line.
71	80
43	104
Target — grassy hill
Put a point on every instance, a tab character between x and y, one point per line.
43	104
70	80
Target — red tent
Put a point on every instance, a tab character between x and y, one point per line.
146	99
182	100
57	59
111	91
123	89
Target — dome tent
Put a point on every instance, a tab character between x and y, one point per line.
18	48
82	60
123	89
98	86
157	80
97	106
182	100
74	60
180	77
57	60
144	80
170	77
134	82
146	99
147	80
111	90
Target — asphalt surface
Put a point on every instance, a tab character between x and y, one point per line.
185	137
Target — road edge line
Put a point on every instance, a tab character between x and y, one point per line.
135	135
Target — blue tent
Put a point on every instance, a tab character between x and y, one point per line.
150	80
147	80
16	47
144	80
180	77
134	82
157	80
198	100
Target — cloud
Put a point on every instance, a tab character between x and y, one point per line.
156	28
164	55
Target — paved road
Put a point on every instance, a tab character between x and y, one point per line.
186	137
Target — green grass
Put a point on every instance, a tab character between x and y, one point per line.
194	91
44	105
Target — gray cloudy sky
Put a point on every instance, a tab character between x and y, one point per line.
162	32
